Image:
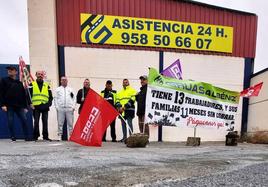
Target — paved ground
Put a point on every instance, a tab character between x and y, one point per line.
161	164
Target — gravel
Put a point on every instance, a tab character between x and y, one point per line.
160	164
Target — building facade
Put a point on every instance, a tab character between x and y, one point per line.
57	46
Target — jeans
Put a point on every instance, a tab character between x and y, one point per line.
63	114
36	115
22	116
124	127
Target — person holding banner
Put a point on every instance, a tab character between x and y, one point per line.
13	99
64	101
125	103
41	101
109	95
82	93
141	102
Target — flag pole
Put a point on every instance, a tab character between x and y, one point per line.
126	123
23	78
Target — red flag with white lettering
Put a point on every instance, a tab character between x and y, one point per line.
96	115
251	91
25	76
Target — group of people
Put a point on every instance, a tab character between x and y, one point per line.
15	99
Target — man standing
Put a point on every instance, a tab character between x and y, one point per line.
13	100
125	102
82	94
41	101
64	101
109	95
141	101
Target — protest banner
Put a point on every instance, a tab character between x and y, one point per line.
184	103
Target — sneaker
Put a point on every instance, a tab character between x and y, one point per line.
123	140
13	139
47	139
113	140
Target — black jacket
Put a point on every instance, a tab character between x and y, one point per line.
141	100
109	96
42	107
79	97
12	93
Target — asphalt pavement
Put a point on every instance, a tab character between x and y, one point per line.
54	163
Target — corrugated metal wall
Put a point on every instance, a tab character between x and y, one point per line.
245	24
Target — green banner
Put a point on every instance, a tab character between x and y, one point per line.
185	103
193	87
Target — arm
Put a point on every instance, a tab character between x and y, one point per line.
73	99
3	89
56	98
30	93
79	97
1	92
50	99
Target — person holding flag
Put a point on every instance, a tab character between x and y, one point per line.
13	100
125	102
82	94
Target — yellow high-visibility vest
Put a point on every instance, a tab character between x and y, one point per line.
40	97
125	95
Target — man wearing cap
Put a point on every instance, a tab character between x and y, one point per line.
109	95
41	101
13	99
141	101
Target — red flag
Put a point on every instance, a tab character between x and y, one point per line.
25	76
251	91
96	115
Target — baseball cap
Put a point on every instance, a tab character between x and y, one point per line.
11	68
108	82
144	77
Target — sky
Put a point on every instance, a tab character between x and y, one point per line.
15	40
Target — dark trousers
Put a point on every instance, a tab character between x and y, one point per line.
10	120
113	135
36	115
141	125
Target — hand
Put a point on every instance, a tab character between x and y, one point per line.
32	107
4	108
25	110
82	99
121	110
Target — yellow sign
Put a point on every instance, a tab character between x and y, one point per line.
102	29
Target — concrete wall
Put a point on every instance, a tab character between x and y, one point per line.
102	64
43	45
224	72
99	65
258	106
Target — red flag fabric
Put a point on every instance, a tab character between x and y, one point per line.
96	115
25	76
251	91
